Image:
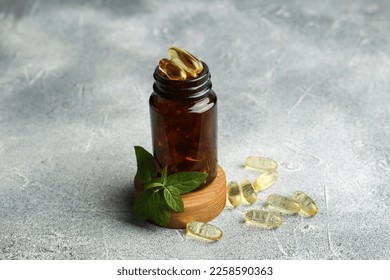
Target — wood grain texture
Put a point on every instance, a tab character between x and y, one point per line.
201	205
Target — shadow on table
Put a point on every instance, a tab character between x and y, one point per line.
123	200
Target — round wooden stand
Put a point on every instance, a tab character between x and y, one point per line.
201	205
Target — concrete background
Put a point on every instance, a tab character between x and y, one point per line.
303	82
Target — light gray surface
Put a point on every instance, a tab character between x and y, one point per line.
306	83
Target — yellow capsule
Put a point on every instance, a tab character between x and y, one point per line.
204	231
260	163
283	204
263	219
309	207
234	193
265	180
248	191
186	61
171	70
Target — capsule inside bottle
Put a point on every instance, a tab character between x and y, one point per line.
186	61
171	70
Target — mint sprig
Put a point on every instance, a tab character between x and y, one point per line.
172	197
146	166
161	194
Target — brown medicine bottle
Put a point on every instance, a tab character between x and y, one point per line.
184	124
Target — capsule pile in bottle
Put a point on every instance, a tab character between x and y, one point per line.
181	65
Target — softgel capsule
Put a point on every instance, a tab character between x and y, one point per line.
181	66
171	70
309	207
203	231
263	219
234	193
186	61
265	180
248	192
283	204
260	163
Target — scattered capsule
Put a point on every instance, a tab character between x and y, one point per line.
204	231
186	61
234	193
309	208
171	70
261	163
263	219
283	204
265	180
248	191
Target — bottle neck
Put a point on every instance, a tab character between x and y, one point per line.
188	89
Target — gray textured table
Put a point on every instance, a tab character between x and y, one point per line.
306	83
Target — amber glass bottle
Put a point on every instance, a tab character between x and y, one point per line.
184	124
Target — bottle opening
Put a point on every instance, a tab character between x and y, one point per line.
182	89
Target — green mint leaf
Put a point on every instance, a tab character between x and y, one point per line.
154	183
164	176
153	203
173	198
162	214
146	166
185	182
153	186
145	204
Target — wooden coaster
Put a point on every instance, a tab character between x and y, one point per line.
201	205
